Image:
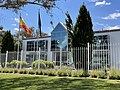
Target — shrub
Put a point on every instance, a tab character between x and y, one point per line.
93	73
52	72
31	72
5	70
114	74
14	63
21	71
23	64
45	72
11	71
39	72
15	70
102	74
43	64
49	64
37	62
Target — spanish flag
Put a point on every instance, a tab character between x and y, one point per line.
23	26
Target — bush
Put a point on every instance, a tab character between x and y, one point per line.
93	73
37	62
14	63
102	74
39	72
45	72
5	70
23	64
43	64
52	72
49	64
31	72
15	70
114	74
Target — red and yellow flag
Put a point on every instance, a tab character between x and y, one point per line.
23	26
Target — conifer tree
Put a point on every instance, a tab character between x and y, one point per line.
7	42
80	35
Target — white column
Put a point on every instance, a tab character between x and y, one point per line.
21	58
88	55
6	59
60	58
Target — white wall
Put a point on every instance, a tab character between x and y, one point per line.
24	47
114	47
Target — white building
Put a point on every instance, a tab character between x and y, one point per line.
32	46
106	47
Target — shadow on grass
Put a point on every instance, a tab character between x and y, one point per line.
55	83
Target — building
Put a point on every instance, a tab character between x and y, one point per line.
105	51
32	46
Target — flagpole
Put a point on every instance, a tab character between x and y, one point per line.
18	42
39	22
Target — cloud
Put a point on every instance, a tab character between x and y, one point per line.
14	25
92	0
102	3
106	26
17	29
100	24
112	16
112	27
16	19
26	14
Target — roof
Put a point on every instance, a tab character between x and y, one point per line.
104	31
36	37
59	26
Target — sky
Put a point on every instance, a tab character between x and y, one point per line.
105	15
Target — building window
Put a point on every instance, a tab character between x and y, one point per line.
35	45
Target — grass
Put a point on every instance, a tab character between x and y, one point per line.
32	82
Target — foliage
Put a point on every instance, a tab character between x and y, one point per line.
43	64
18	4
14	63
80	34
7	42
52	72
1	27
114	74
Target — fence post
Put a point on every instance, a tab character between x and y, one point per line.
88	55
39	58
6	59
21	59
0	57
60	58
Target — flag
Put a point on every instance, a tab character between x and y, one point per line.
39	22
23	26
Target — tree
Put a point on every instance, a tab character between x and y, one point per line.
18	4
83	27
7	42
80	35
1	27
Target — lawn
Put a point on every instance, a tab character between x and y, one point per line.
32	82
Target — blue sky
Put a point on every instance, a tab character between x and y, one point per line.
105	15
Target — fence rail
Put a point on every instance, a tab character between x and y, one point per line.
93	56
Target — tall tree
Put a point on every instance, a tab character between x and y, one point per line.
80	35
7	42
83	27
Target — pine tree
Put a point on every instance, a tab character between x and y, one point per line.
80	35
7	42
83	27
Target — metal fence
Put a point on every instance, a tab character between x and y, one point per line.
93	56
